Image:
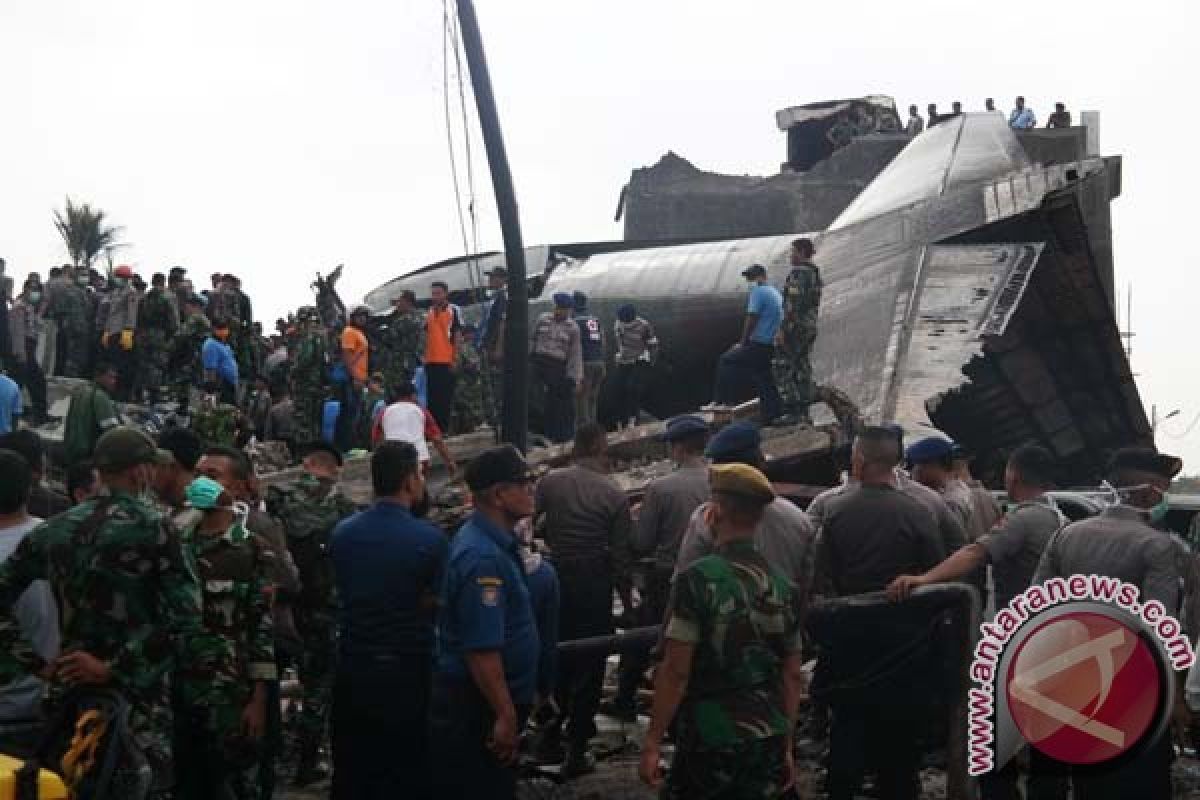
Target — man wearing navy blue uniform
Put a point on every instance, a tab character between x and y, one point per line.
388	564
488	648
749	361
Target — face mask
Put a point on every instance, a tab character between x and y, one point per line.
1159	511
204	493
35	297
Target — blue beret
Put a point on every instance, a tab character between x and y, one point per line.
579	299
684	426
626	313
734	440
931	448
563	300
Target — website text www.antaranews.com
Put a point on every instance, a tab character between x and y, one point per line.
996	635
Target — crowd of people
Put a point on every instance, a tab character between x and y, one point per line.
1021	117
168	572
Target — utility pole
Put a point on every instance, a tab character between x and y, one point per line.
515	413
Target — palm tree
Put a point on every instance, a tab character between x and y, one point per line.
85	233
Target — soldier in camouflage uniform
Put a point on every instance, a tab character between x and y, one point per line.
732	660
309	376
220	718
469	406
186	367
797	332
128	601
403	342
155	327
67	303
309	510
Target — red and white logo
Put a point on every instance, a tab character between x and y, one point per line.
1084	687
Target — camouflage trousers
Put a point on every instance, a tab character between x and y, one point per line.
493	395
792	367
213	761
152	360
75	348
308	410
315	667
752	770
469	402
397	371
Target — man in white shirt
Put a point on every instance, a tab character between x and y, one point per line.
405	421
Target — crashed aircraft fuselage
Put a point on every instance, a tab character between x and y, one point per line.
960	292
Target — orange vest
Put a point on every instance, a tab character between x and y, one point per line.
440	326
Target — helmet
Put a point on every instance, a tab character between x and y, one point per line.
123	271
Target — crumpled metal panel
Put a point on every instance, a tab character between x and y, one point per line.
964	294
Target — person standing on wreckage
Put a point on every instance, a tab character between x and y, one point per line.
793	356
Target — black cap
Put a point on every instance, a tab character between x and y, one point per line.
503	464
1145	459
754	271
321	447
498	272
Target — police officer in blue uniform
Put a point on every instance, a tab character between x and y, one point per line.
591	340
488	648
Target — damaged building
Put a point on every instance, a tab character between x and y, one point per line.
968	280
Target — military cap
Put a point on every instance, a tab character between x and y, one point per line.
931	448
738	439
123	271
684	426
754	271
1145	459
124	447
360	309
503	464
178	270
321	446
740	479
563	300
498	272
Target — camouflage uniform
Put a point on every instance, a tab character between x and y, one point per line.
68	305
469	394
127	594
186	366
403	346
216	424
744	621
237	622
155	329
308	384
793	363
308	510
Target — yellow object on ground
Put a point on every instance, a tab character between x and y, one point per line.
50	786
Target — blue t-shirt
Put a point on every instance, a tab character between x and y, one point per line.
485	605
10	404
218	357
767	302
388	567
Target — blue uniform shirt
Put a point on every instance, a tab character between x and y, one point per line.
485	605
767	302
10	404
218	357
388	566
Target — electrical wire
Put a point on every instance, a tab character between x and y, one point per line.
474	268
446	33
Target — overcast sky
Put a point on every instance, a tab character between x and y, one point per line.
274	138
